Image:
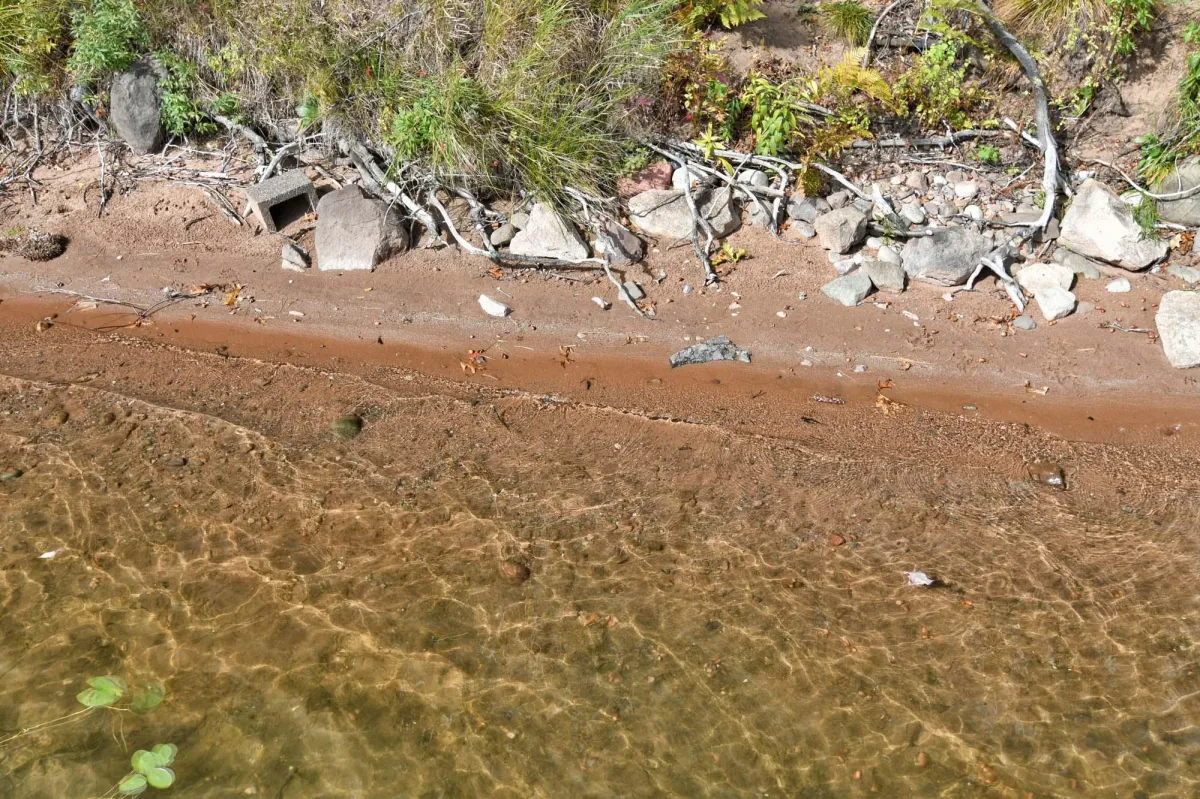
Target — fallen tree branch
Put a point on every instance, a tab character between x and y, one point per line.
506	258
364	162
866	59
1041	98
284	152
699	223
1179	195
260	144
932	141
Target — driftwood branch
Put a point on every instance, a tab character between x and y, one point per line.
260	144
1179	195
1041	98
931	141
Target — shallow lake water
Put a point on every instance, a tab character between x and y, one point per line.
522	598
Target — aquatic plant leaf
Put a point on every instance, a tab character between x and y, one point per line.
104	691
149	697
144	762
165	753
132	785
161	777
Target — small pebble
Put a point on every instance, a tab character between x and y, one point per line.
1024	323
860	368
11	474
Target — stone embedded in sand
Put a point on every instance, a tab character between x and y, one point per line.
885	276
1024	323
1119	286
841	229
849	290
356	232
1054	302
1099	225
493	307
1188	274
293	257
946	258
1036	277
134	106
621	245
807	209
346	427
1178	322
548	234
665	214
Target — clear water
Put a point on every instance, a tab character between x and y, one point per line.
516	598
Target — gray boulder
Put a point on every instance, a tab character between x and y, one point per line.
665	213
623	247
946	258
548	234
1187	210
888	255
1178	322
134	108
760	217
1054	302
1099	225
1036	277
850	289
503	234
886	276
841	229
356	232
754	177
807	209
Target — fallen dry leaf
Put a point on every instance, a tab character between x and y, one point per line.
887	406
232	296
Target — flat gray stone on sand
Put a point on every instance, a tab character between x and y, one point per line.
665	214
885	276
1055	302
548	234
356	232
850	289
946	258
841	229
1099	225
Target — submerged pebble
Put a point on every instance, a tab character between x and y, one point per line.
11	474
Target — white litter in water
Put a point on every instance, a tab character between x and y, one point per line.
919	579
493	307
48	555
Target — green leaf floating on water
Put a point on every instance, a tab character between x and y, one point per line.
165	753
149	697
161	778
132	785
104	691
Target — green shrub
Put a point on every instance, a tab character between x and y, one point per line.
848	20
935	90
988	154
32	38
181	115
109	36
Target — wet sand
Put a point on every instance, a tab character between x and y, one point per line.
512	593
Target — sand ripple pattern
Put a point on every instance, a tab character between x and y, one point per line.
705	614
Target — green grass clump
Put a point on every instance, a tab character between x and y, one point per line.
109	36
848	20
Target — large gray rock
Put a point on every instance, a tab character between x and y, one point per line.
808	209
356	232
548	234
1099	225
1054	302
1187	210
665	213
849	290
1178	322
1036	277
841	229
886	276
134	108
946	258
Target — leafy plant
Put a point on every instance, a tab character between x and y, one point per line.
181	115
1127	19
848	20
935	89
776	111
109	35
150	768
103	693
1145	213
729	255
729	13
988	154
31	38
309	112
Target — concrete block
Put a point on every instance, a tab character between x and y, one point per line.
264	197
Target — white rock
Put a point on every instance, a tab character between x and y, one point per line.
1055	302
1178	321
1097	224
753	177
603	303
889	255
548	234
493	307
1036	277
913	212
973	212
967	190
1119	286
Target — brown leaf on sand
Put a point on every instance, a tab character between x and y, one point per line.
887	406
886	383
233	295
